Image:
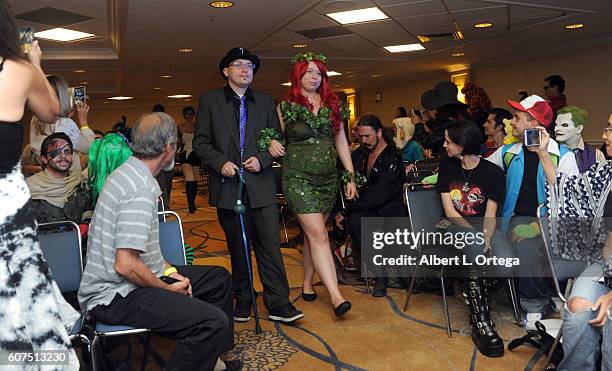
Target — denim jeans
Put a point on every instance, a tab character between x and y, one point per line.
583	344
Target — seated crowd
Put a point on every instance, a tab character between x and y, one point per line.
485	172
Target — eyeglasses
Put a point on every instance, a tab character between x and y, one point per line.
239	65
608	131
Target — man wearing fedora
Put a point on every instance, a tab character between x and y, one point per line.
229	121
443	106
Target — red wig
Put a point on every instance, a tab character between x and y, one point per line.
328	98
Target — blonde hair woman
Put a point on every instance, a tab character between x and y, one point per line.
80	135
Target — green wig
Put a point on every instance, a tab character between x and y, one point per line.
105	155
579	116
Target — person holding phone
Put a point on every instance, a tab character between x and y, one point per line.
29	315
81	135
526	189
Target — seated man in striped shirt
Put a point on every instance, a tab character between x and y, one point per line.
126	279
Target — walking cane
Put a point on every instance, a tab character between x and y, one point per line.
240	210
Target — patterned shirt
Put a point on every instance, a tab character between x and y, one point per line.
125	217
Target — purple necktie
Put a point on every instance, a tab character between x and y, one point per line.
242	123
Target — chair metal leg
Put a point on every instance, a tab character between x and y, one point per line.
409	292
513	298
365	273
553	347
449	330
94	358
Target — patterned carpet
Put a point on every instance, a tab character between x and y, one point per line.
375	335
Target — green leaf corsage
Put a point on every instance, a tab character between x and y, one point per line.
265	138
348	176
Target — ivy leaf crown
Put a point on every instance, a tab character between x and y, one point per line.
309	57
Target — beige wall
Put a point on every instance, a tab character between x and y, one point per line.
103	118
587	72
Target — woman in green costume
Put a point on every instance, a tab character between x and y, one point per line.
312	119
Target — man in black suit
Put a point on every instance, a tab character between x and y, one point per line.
229	121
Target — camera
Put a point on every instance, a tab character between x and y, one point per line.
532	137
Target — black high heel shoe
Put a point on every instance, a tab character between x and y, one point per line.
342	308
309	297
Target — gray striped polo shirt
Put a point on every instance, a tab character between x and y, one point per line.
125	217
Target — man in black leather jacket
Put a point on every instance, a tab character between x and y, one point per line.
381	195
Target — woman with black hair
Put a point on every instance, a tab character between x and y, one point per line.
471	190
29	315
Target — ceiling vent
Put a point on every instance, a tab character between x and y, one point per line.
53	17
458	35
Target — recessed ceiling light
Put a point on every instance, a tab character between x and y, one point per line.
166	76
186	50
288	83
157	88
221	4
120	98
299	45
84	82
376	75
404	48
63	34
574	26
79	71
180	96
483	25
333	73
458	54
358	16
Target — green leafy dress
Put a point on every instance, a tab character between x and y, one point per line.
310	176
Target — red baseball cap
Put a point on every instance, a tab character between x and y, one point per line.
537	107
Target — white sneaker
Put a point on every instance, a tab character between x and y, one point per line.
530	320
557	304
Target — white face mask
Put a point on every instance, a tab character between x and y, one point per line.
565	129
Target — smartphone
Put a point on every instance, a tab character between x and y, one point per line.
168	280
417	112
77	95
26	38
532	137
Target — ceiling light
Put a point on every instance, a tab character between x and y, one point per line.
288	83
404	48
79	71
483	25
84	82
458	35
333	73
120	98
423	39
376	75
458	54
63	34
180	96
157	88
166	76
221	4
299	45
186	50
574	26
358	16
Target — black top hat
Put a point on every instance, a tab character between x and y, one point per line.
238	53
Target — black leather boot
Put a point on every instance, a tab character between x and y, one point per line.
484	334
191	189
380	287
